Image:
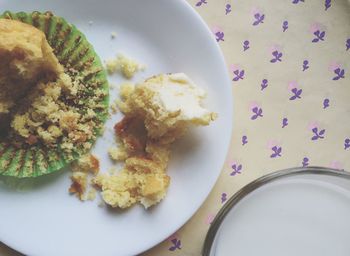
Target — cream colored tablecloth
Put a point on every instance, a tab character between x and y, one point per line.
289	62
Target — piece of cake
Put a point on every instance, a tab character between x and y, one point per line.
169	104
157	112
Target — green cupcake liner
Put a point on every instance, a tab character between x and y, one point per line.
72	50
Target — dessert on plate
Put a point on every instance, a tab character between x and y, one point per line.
54	101
53	94
157	112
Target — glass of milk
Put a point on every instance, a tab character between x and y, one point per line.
294	212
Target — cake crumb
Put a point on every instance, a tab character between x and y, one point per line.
91	195
125	89
128	67
112	171
86	163
79	183
114	107
117	154
113	35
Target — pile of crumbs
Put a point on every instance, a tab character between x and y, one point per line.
128	67
157	112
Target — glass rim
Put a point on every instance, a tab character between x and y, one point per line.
259	182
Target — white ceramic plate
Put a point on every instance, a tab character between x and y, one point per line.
167	36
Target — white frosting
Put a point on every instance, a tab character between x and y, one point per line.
176	92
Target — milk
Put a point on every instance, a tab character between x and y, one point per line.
296	216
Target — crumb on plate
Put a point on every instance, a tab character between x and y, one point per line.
86	163
128	67
117	153
91	195
113	34
114	107
79	184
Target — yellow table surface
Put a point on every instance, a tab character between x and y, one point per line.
291	104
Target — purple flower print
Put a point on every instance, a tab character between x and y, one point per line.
201	2
318	134
275	147
305	65
227	9
337	69
296	94
305	162
223	197
176	244
347	44
297	1
264	84
346	143
245	45
239	75
237	169
325	103
219	36
259	18
244	140
293	87
327	4
276	151
285	25
284	122
340	73
258	112
276	56
319	36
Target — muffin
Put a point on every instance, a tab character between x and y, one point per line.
53	94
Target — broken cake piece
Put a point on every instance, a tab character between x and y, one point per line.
80	175
79	184
157	112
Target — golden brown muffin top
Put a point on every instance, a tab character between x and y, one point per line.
25	58
24	42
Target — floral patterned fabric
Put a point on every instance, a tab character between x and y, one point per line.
289	63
